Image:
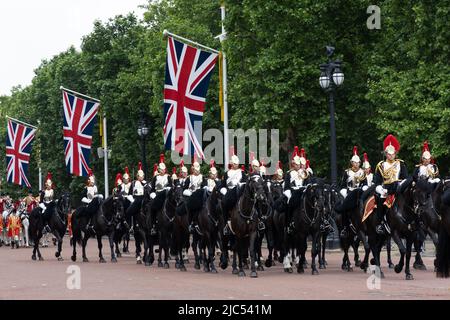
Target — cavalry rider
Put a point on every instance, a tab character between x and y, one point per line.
353	177
160	183
368	172
426	169
46	196
296	178
183	173
126	183
388	175
193	187
230	188
13	227
90	193
118	185
136	193
213	179
352	182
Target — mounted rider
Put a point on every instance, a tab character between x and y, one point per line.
368	172
194	189
389	174
231	184
183	173
46	196
160	184
295	180
427	169
118	185
89	194
352	183
213	179
126	183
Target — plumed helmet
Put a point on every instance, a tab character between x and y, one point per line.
355	157
391	144
126	175
140	172
426	154
366	163
161	165
118	181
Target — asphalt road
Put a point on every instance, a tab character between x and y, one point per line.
22	278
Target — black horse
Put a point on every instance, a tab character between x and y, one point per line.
307	218
180	231
443	249
105	217
210	222
244	224
142	227
57	217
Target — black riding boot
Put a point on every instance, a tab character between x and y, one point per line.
381	228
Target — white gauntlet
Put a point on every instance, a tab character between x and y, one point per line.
187	193
223	191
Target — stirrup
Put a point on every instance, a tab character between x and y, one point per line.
226	230
153	231
261	226
344	233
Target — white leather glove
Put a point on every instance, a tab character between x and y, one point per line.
436	180
288	194
364	188
85	200
42	206
130	198
223	191
344	193
167	188
152	195
241	184
100	196
380	190
187	193
205	188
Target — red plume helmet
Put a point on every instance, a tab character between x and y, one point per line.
307	164
174	170
302	153
126	171
155	169
161	158
295	153
231	151
425	147
279	165
49	176
211	163
90	172
181	163
243	168
140	165
252	156
392	143
355	150
118	177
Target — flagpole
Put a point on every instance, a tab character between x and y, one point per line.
225	92
21	122
167	33
77	93
105	150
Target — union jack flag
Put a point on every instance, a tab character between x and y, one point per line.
79	120
18	150
188	71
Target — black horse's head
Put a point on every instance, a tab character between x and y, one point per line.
255	187
118	206
175	194
315	196
64	204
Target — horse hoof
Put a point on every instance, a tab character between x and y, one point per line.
214	270
119	255
300	270
101	260
343	267
73	258
197	266
177	265
85	260
372	261
223	266
391	265
268	263
166	265
358	263
363	266
57	254
398	268
322	266
235	271
182	268
138	261
41	259
288	270
314	272
33	257
241	274
246	267
253	274
160	265
147	264
60	259
419	266
114	260
205	269
280	259
260	268
349	269
409	277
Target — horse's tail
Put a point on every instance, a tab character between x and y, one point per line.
443	254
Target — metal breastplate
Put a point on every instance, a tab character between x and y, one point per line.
295	179
91	192
195	182
427	171
354	179
126	188
390	171
138	189
234	177
369	179
161	182
48	195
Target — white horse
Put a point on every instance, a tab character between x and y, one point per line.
5	215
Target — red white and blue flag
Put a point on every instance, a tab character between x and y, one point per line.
188	71
79	120
18	150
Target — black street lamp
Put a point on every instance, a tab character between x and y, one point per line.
143	130
331	77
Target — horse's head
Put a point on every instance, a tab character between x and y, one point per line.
315	196
255	187
65	203
118	207
175	194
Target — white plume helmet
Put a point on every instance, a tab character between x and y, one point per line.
355	157
161	165
140	172
426	154
234	157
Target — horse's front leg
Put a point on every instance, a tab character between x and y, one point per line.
83	247
399	267
388	250
111	246
365	263
409	242
314	252
59	239
100	247
252	248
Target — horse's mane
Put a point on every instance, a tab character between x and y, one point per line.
424	185
402	187
446	197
